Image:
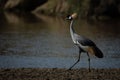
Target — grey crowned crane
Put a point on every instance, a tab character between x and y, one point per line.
84	44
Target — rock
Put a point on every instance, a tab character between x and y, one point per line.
54	6
23	5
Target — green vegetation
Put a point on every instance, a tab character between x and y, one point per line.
99	9
79	6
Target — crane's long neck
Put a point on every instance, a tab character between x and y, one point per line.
72	31
71	28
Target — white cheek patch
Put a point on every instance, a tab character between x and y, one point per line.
70	17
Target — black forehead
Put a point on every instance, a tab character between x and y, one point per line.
68	15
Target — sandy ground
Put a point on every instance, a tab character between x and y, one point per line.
59	74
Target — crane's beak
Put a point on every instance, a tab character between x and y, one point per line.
67	18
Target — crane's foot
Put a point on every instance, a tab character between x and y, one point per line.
89	70
69	69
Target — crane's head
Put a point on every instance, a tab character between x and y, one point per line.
71	17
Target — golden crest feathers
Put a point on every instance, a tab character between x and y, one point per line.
74	15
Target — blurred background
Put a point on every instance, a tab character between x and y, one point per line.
35	34
100	9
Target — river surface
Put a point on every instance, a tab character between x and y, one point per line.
38	41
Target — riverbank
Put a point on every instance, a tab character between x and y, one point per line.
59	74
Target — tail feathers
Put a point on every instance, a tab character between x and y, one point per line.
98	53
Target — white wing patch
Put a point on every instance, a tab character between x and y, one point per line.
85	48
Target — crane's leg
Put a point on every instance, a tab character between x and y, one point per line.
77	60
88	61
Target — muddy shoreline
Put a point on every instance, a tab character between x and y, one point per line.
59	74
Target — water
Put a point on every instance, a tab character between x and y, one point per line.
38	41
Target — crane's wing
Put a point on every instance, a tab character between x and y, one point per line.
92	47
84	41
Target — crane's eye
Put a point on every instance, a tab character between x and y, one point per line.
69	17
